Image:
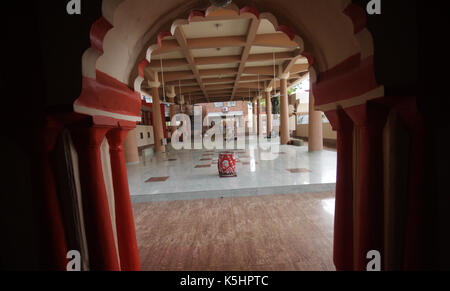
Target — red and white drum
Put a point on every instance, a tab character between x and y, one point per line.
227	165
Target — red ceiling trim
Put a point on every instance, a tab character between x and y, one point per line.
142	65
287	30
163	35
98	32
108	94
250	9
343	85
358	16
196	13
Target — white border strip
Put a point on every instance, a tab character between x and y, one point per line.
97	112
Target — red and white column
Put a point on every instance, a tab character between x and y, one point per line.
88	138
126	233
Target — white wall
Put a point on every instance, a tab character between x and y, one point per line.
148	136
328	133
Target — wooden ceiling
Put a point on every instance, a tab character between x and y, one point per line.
224	59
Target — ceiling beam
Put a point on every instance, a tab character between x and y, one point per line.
223	86
279	40
227	92
269	57
192	82
182	41
218	72
177	75
218	60
218	80
184	90
275	40
216	42
168	46
266	70
259	86
299	68
251	35
170	63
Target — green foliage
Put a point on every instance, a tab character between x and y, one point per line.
292	90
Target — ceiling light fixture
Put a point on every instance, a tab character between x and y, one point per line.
275	93
163	85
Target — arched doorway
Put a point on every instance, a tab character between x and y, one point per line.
344	87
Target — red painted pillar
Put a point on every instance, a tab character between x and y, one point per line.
55	236
417	220
370	118
126	233
343	219
100	238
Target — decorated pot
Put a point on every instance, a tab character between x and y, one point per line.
227	165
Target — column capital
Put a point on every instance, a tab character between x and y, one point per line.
268	90
285	76
171	95
367	115
154	84
181	100
116	137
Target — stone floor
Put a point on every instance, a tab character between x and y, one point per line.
193	174
262	233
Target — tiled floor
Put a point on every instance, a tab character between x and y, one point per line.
193	174
280	232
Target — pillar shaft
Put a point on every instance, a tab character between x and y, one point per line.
284	113
173	112
315	127
157	121
259	120
55	244
418	250
131	148
269	114
343	219
99	232
126	234
255	118
369	235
